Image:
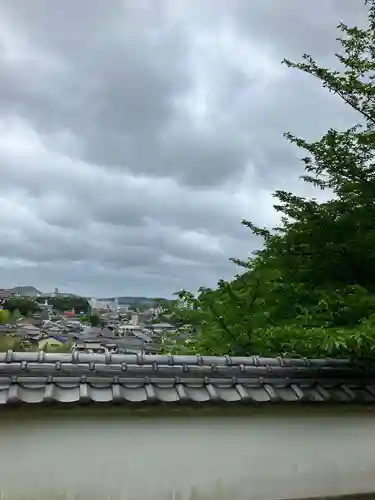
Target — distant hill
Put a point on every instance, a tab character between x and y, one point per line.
28	291
145	301
136	300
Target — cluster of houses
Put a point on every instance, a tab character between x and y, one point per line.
133	332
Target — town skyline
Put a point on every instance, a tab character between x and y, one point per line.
30	290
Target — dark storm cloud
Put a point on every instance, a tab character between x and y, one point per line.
135	135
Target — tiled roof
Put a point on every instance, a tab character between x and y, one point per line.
28	377
60	338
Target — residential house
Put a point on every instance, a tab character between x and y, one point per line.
46	306
29	321
52	342
110	344
52	328
145	317
129	345
69	314
129	330
89	347
160	331
73	326
162	327
28	330
226	427
91	332
4	295
144	335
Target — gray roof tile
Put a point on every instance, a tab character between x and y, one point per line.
35	378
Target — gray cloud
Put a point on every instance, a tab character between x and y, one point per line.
134	137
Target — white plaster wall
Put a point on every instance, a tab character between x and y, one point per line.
263	454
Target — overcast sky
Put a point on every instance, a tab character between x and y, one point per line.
135	135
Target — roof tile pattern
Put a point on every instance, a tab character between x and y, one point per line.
138	379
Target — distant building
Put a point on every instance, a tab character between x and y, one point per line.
159	327
87	346
69	314
134	319
5	294
128	330
108	304
45	305
124	308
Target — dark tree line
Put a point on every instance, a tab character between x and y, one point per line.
31	305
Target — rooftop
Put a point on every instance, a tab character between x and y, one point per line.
39	377
161	325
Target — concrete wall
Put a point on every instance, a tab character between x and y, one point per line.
256	454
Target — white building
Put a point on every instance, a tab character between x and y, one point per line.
128	330
134	320
110	304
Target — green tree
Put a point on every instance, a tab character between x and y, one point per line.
4	316
94	320
164	304
15	317
329	247
142	307
310	290
68	303
25	305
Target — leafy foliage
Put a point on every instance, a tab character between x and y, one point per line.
94	320
65	303
4	316
22	305
310	291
